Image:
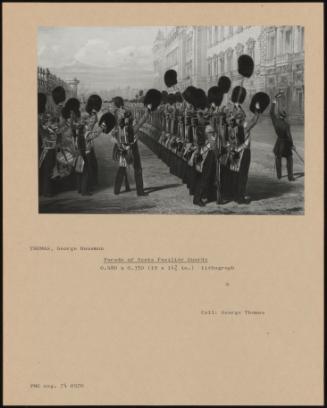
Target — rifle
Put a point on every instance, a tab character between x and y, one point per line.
218	175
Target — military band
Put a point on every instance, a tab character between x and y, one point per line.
204	142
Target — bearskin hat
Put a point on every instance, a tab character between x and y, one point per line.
164	97
245	65
171	99
200	99
178	97
73	104
118	101
188	94
58	95
238	94
224	84
41	102
153	98
215	95
94	102
170	78
263	99
109	120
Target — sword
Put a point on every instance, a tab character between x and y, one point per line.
218	174
298	154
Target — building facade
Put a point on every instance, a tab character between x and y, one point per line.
200	55
184	50
282	66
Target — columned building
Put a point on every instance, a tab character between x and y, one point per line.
184	50
225	45
282	66
200	55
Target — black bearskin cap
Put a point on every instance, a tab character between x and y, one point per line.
263	99
215	95
153	98
245	65
238	94
118	101
58	94
224	84
170	78
109	120
94	102
41	102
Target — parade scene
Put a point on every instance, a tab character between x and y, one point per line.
171	120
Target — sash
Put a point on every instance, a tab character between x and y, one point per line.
79	165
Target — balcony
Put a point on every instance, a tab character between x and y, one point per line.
298	56
284	59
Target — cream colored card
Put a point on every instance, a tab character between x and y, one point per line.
162	310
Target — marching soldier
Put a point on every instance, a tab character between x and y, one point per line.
243	149
123	154
203	161
47	137
93	106
86	134
128	149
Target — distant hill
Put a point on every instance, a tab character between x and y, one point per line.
104	78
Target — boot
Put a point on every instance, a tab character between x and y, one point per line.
290	168
139	182
278	161
127	187
118	180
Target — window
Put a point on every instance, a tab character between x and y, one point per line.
172	58
301	39
190	67
250	47
271	45
209	36
300	100
222	33
229	61
215	65
222	65
288	41
189	45
209	68
216	35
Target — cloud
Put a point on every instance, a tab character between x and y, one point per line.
100	57
55	47
97	52
41	50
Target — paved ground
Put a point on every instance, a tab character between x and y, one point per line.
167	195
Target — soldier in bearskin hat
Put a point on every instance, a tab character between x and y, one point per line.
242	152
48	141
93	107
203	161
126	134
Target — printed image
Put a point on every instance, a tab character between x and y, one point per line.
171	120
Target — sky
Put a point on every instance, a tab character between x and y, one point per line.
100	57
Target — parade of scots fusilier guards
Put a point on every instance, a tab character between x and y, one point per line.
172	128
205	138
